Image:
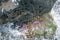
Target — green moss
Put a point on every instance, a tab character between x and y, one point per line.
37	35
51	26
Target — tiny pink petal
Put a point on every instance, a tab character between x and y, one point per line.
36	22
24	26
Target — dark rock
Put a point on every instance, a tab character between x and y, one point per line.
1	12
0	1
35	7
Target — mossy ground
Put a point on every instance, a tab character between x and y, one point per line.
49	28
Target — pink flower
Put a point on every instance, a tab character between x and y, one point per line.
36	22
24	26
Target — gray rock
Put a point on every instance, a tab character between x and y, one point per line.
35	7
1	12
